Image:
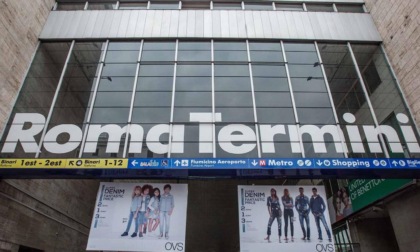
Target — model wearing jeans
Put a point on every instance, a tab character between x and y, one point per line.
302	207
154	210
318	207
145	197
165	210
274	211
134	209
288	214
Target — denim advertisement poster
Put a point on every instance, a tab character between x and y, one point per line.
284	218
139	217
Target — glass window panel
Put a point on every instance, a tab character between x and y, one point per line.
151	115
275	115
289	6
268	71
270	84
312	100
70	6
156	70
194	55
227	6
315	115
193	70
229	46
113	99
331	151
266	56
164	5
264	46
191	149
231	70
355	8
233	99
158	45
193	99
299	47
233	114
119	70
110	115
302	57
116	84
232	84
155	84
194	45
193	84
158	56
220	153
182	114
273	99
153	99
101	6
305	85
124	46
121	56
320	7
305	71
133	6
258	6
238	56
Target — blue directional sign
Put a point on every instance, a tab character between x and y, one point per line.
272	163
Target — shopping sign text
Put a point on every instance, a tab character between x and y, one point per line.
232	138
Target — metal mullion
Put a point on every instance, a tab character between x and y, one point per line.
173	100
334	7
213	106
57	91
292	97
274	5
55	6
95	91
243	5
344	146
148	5
365	10
398	86
117	6
253	100
133	96
211	5
86	5
304	7
179	5
362	83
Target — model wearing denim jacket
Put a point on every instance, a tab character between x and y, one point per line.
166	202
302	204
317	205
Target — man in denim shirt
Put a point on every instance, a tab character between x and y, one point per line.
166	207
302	207
318	207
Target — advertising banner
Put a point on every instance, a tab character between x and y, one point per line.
366	191
139	217
284	218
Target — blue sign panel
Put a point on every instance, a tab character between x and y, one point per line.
272	163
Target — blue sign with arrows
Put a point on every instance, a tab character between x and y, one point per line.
272	163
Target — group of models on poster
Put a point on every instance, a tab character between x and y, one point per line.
150	209
304	206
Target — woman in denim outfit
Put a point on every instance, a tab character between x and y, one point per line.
134	209
288	213
274	210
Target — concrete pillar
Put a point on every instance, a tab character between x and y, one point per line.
404	213
375	235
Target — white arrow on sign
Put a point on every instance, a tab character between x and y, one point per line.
177	162
395	163
134	163
254	163
319	163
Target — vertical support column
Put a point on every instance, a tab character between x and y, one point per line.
304	7
57	91
173	100
327	85
253	99
117	6
86	5
213	106
362	83
92	103
274	5
335	7
133	96
292	97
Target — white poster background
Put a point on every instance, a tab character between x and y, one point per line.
255	215
111	216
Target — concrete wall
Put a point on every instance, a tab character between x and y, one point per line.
375	235
405	218
21	23
398	23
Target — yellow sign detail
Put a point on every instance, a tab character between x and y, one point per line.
39	163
